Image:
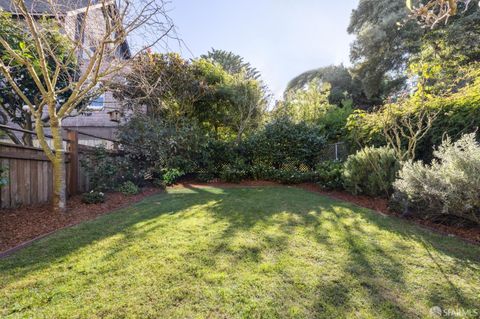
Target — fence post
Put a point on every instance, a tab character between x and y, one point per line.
74	162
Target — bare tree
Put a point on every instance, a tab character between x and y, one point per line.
434	12
96	32
404	130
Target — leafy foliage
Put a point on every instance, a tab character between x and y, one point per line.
232	63
330	175
128	188
285	143
338	77
101	168
154	144
449	186
387	40
200	91
93	197
235	173
371	171
171	176
311	105
456	114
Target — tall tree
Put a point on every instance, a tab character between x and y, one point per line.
248	104
342	85
232	63
387	39
165	84
383	45
98	34
175	89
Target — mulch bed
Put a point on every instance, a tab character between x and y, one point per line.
18	226
22	225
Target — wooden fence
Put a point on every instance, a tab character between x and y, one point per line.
29	173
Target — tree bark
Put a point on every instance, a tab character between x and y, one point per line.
58	163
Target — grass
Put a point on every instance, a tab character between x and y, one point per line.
273	252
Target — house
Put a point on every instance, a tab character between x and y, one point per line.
100	117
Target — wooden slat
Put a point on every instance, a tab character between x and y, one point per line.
34	181
5	191
14	194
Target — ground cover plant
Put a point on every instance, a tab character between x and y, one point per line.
270	252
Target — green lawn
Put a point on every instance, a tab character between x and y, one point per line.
273	252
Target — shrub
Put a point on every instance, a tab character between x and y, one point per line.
171	176
216	154
101	169
93	197
159	144
371	171
235	173
329	174
449	186
206	177
263	172
285	142
129	188
294	177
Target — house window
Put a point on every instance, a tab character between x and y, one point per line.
98	103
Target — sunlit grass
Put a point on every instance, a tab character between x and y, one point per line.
241	253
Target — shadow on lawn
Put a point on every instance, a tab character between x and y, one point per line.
243	213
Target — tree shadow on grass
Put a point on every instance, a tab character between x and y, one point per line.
250	210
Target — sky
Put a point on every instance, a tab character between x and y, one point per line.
281	38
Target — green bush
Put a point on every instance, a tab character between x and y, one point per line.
93	197
294	177
101	168
171	176
285	142
129	188
329	174
262	172
450	186
156	144
235	173
206	177
371	171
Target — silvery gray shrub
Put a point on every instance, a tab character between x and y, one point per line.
450	186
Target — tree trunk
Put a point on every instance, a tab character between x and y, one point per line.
59	172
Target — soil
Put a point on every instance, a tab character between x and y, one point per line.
21	225
18	227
